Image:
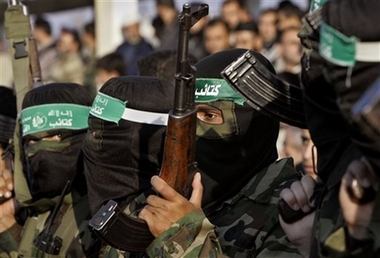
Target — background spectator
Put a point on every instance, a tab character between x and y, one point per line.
289	15
134	46
196	42
68	65
267	25
247	36
107	67
216	36
291	53
88	53
162	64
166	24
234	12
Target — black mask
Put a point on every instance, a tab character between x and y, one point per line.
230	161
48	167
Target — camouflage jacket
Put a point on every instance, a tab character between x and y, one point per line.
331	238
70	231
246	225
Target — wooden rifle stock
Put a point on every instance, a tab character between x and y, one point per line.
179	163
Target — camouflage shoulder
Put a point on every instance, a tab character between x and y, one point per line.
271	180
188	237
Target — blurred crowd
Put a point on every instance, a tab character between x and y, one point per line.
71	57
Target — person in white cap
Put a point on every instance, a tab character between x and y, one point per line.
134	46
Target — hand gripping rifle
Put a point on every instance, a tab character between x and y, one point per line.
131	234
26	74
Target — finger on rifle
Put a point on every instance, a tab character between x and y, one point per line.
147	215
2	186
156	201
301	196
196	195
163	188
288	196
7	175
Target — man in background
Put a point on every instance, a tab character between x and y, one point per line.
134	46
216	36
68	66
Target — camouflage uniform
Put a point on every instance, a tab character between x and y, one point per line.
247	224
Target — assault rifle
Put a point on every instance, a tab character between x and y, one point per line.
178	166
131	234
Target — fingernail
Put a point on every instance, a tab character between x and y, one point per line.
8	195
296	207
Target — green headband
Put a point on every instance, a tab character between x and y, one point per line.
208	90
54	116
112	109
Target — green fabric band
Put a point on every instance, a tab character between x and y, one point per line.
208	90
107	108
54	116
336	47
111	109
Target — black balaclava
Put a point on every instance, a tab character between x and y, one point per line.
122	154
54	109
8	114
229	155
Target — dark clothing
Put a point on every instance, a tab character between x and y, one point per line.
196	46
132	53
354	18
168	35
329	92
350	83
292	78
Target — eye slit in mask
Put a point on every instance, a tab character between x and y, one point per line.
209	114
51	138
